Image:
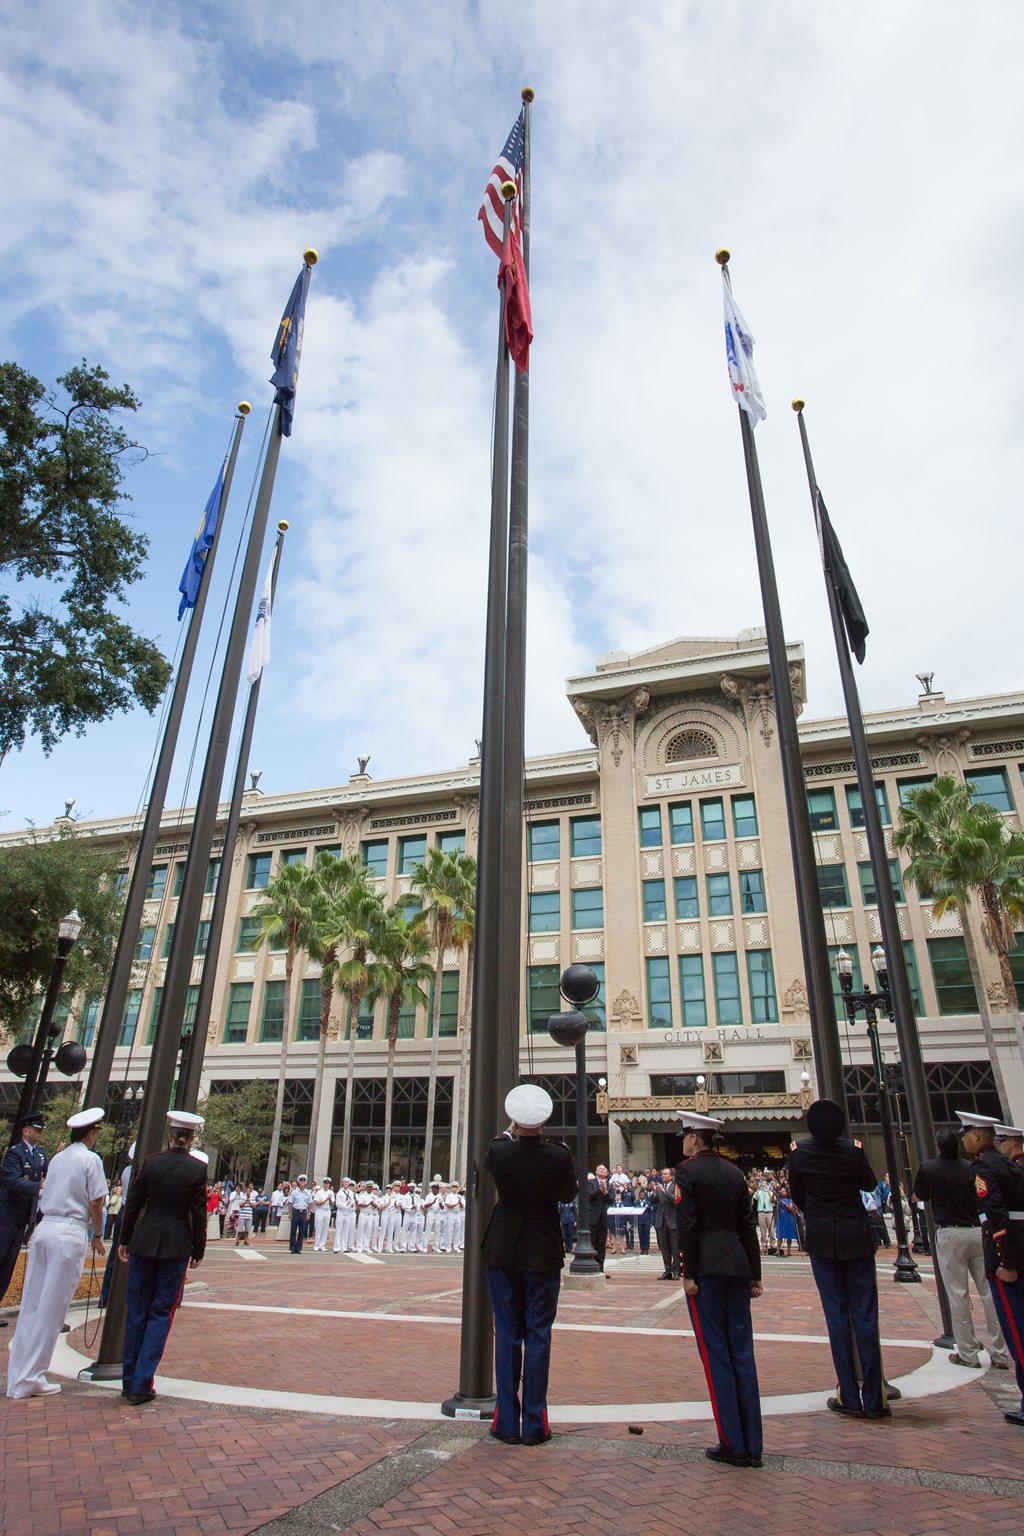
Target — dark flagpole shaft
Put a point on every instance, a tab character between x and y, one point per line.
194	1049
507	1067
475	1397
124	955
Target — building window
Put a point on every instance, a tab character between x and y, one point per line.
248	935
449	1020
832	887
659	995
596	1012
991	788
691	990
821	809
375	858
154	1014
168	941
650	826
727	988
189	1019
752	896
743	1083
585	836
202	938
719	896
952	976
913	978
543	841
744	816
673	1085
680	818
451	842
272	1023
1017	968
588	908
130	1017
411	851
258	873
654	901
712	821
406	1020
87	1021
236	1020
120	882
837	991
179	879
867	883
543	996
691	744
212	877
144	943
309	1009
292	856
855	805
545	912
905	787
333	849
761	976
156	882
687	900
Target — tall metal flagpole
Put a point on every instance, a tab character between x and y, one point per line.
194	1048
475	1396
828	1062
507	1065
124	955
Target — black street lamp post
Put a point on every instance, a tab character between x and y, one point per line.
578	986
870	1004
70	1057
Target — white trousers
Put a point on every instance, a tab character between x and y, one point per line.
391	1229
443	1235
430	1230
958	1250
412	1233
321	1222
344	1231
56	1256
367	1227
459	1230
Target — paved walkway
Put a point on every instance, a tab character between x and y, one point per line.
300	1394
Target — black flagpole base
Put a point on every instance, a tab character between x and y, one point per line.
461	1407
945	1341
905	1271
100	1370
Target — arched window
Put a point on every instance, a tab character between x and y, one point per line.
689	744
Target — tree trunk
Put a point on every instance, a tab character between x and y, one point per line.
984	1013
460	1127
996	932
282	1076
318	1081
435	1046
346	1135
394	1008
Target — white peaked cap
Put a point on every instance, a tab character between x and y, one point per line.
184	1120
976	1122
694	1122
85	1117
199	1155
529	1105
1006	1130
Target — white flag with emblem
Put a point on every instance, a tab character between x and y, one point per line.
739	350
259	651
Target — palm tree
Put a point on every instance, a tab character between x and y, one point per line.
359	976
285	911
402	945
341	887
959	849
446	883
465	937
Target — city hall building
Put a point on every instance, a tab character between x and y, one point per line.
658	854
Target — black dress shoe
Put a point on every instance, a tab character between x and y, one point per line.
883	1413
755	1461
541	1440
3	1322
838	1407
665	1276
1014	1418
137	1399
725	1457
505	1439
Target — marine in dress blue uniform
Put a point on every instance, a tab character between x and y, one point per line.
524	1253
721	1264
21	1175
163	1233
827	1172
999	1191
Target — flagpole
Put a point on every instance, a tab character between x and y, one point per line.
124	954
506	1069
828	1063
194	1048
475	1396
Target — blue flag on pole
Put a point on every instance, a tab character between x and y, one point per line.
192	575
287	350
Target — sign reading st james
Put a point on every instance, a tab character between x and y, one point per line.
687	781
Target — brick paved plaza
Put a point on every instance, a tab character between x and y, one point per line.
300	1394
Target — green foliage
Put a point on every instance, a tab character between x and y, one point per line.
67	659
56	1112
239	1126
402	946
41	880
960	849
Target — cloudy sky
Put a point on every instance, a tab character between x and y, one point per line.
164	167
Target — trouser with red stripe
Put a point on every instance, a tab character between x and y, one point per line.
524	1306
848	1289
1009	1299
720	1314
152	1296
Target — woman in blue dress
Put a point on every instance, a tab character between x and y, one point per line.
785	1220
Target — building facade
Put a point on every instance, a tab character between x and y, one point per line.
657	853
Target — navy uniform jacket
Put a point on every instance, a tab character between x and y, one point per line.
825	1180
532	1176
999	1191
165	1213
715	1219
20	1178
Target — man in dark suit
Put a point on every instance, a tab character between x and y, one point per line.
599	1199
665	1224
524	1253
163	1234
22	1173
827	1172
721	1275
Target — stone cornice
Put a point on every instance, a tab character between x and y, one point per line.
995	710
677	674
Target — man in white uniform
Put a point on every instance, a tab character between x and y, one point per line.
432	1207
345	1223
323	1202
459	1223
381	1201
412	1220
366	1218
71	1203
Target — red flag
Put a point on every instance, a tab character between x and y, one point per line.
518	320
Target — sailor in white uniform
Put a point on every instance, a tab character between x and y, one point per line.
366	1218
381	1201
71	1203
345	1221
412	1221
323	1204
432	1207
459	1220
391	1220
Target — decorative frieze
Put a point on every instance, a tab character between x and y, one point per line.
544	949
1009	746
846	768
587	947
755	931
577	802
296	834
748	854
417	819
723	934
543	877
610	723
693	781
655	939
585	872
653	864
688	936
684	861
715	857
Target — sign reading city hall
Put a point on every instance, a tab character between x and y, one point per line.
688	781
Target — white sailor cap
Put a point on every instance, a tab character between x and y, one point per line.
971	1122
1002	1131
199	1155
184	1120
346	1180
301	1176
326	1179
694	1122
84	1118
529	1105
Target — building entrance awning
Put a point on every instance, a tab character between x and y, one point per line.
661	1113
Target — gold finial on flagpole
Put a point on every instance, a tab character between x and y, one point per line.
508	190
798	406
722	257
283	525
528	93
244	407
310	257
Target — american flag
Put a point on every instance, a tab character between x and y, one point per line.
508	168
